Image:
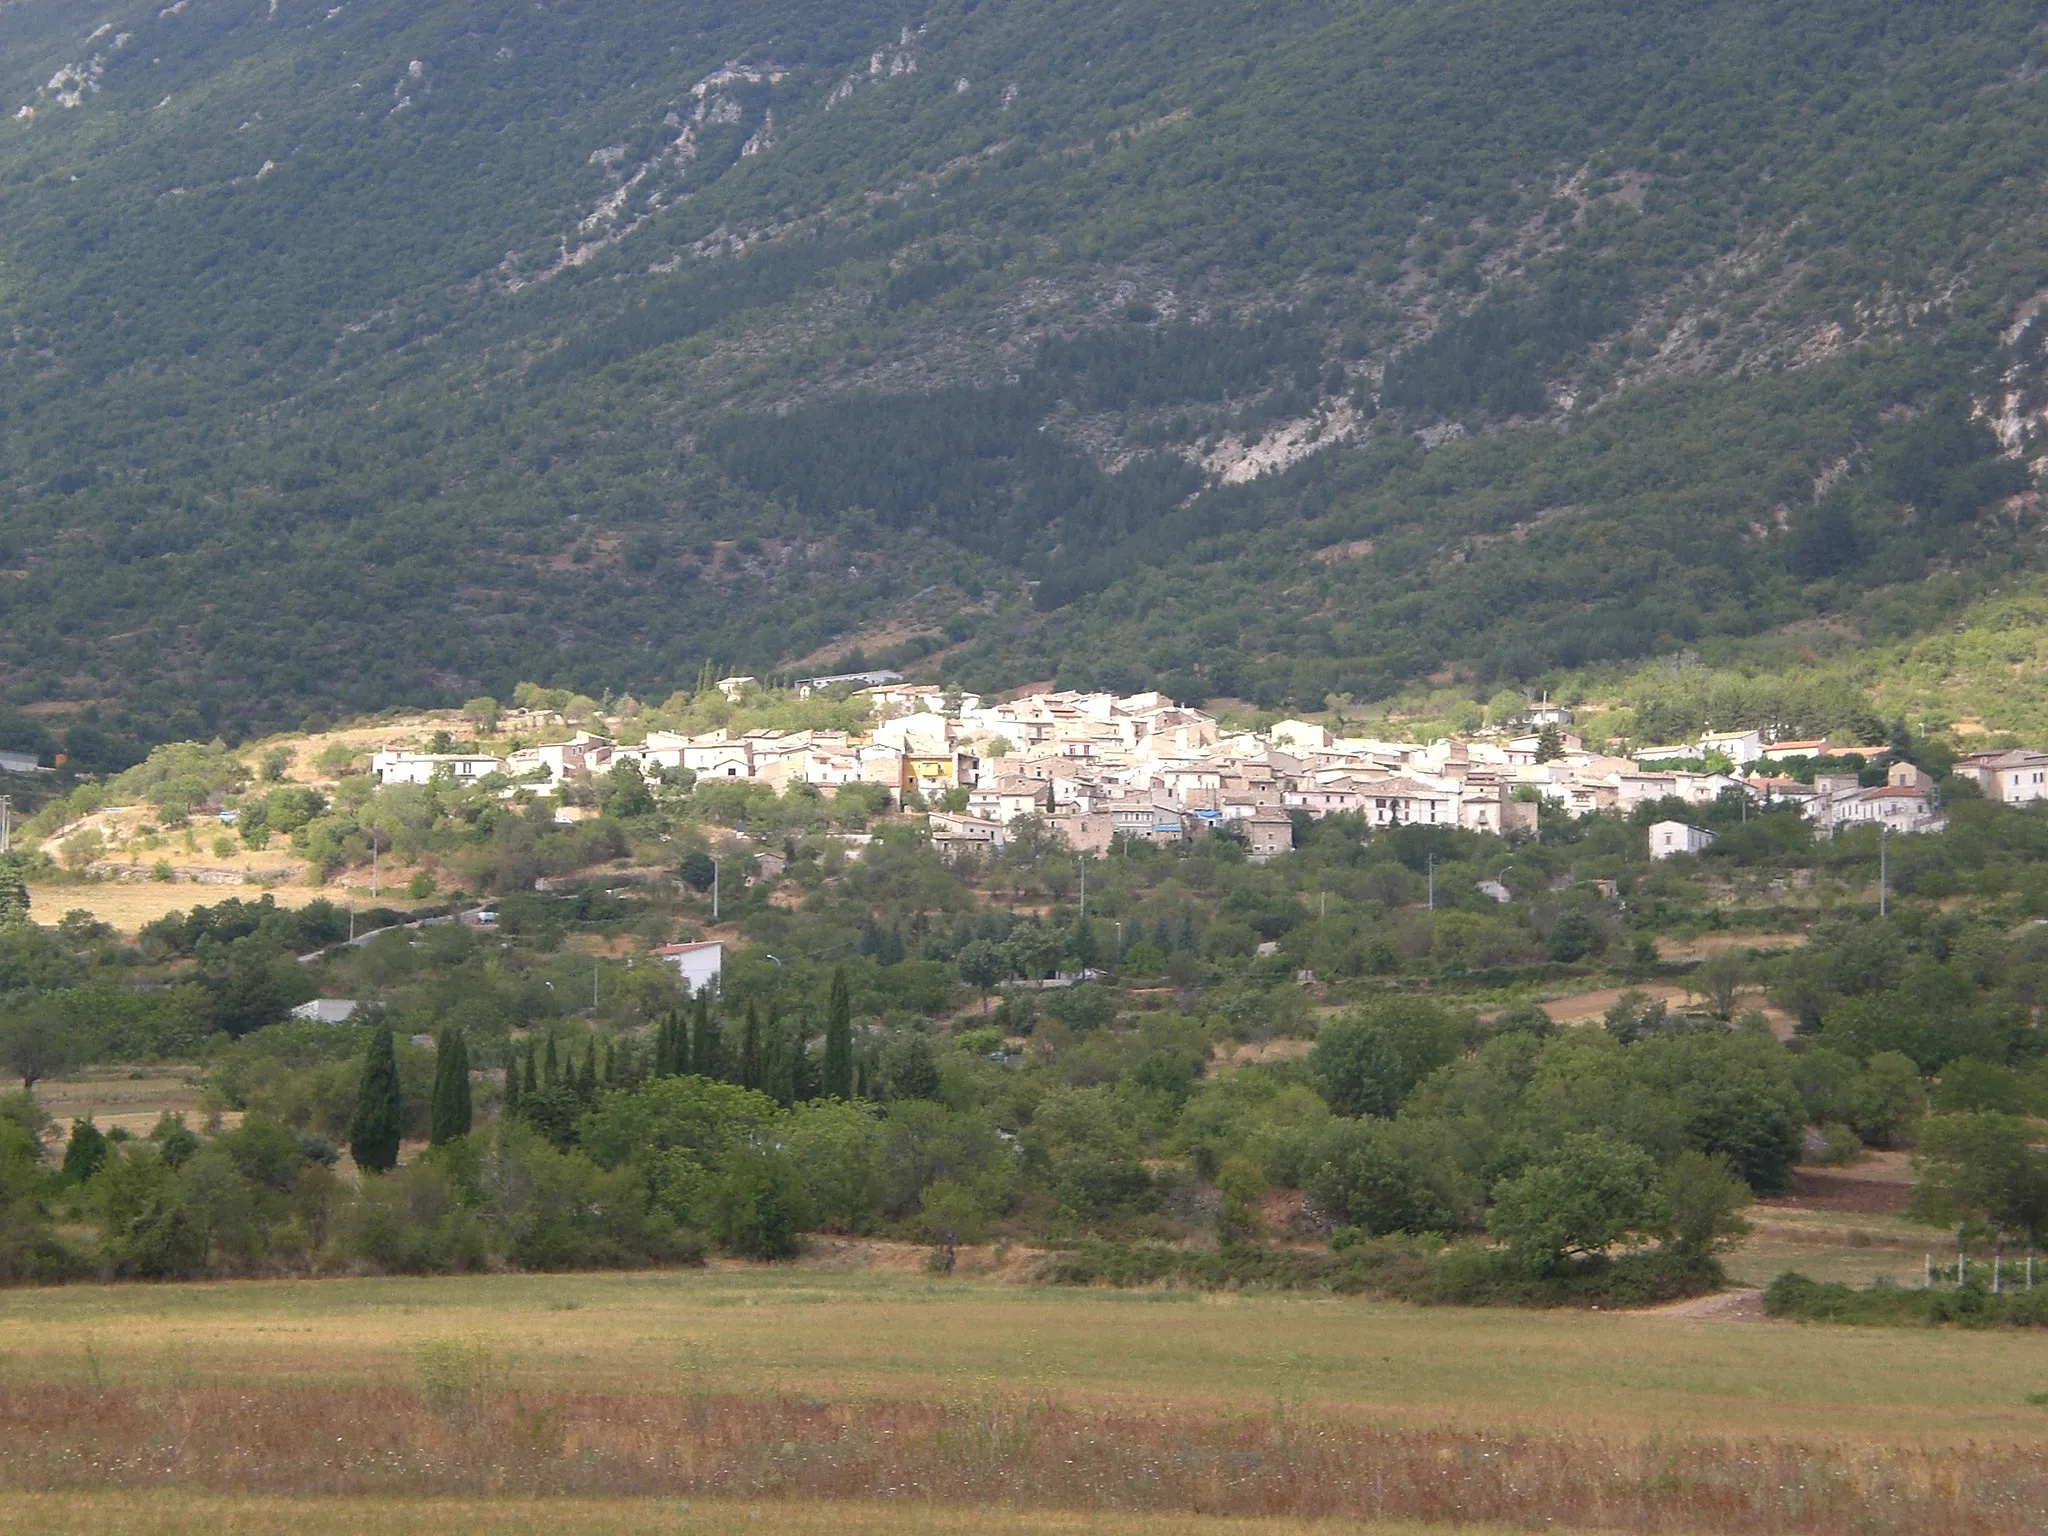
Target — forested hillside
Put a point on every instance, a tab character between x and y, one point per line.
355	354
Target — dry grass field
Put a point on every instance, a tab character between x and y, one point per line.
180	1407
175	1514
132	1098
128	904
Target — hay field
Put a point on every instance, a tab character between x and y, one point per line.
118	1096
162	1514
128	904
791	1399
743	1384
861	1336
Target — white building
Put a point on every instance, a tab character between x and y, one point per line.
953	834
555	761
1902	808
714	757
700	965
1740	747
400	767
859	680
1674	837
2016	777
327	1010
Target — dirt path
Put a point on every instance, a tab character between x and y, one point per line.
1721	1307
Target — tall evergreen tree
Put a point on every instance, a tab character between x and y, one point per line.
586	1075
13	891
608	1072
550	1066
837	1075
450	1116
374	1128
799	1069
511	1099
667	1057
707	1051
532	1077
750	1049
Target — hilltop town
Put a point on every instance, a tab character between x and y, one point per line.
1096	767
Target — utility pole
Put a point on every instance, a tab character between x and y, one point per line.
1083	862
1432	882
6	823
373	866
714	890
593	986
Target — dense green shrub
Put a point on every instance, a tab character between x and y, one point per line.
1970	1305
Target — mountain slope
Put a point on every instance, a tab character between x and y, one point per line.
362	353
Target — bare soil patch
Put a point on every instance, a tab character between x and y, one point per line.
1714	943
1744	1306
1588	1007
1881	1184
1260	1052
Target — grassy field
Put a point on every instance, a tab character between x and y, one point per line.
166	1513
128	904
635	1398
851	1336
133	1098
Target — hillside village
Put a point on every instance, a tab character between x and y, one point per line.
1095	767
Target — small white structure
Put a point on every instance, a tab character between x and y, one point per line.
327	1010
700	965
19	762
1674	837
878	678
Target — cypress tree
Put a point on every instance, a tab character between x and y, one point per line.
13	892
451	1108
586	1078
665	1045
511	1109
373	1130
838	1066
609	1075
550	1066
532	1081
799	1069
707	1056
750	1050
